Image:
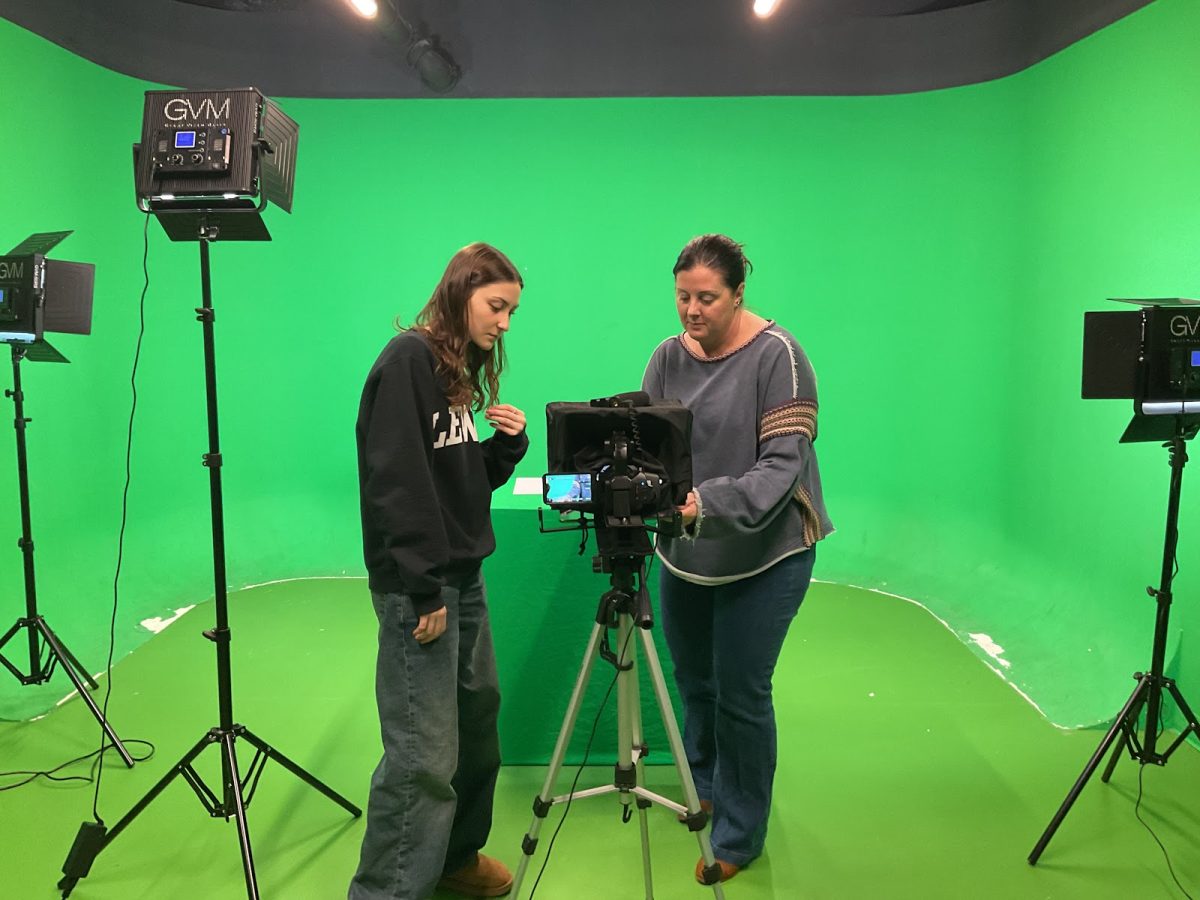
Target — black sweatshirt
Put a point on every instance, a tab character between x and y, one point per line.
425	479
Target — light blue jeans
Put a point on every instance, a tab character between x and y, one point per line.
725	640
430	806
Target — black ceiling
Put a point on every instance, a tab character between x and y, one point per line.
571	48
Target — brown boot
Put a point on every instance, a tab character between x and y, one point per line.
485	877
728	870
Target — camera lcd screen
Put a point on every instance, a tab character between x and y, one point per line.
185	140
572	488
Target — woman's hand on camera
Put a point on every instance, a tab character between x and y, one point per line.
688	511
430	626
506	418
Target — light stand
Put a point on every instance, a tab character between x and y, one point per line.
1151	686
236	790
42	662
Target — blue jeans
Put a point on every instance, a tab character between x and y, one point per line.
430	806
725	640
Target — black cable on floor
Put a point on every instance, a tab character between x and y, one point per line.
112	626
1146	825
51	774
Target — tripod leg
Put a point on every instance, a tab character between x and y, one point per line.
682	768
541	803
94	837
1192	727
631	744
1117	753
1127	729
1123	718
233	790
62	653
177	769
300	773
8	636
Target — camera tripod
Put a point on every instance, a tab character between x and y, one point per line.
623	608
1151	686
46	649
236	790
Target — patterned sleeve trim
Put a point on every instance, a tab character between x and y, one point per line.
797	417
812	522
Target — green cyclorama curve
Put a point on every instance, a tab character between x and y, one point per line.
934	253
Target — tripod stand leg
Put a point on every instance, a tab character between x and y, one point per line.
93	838
644	827
233	792
302	774
1127	730
8	636
542	802
73	669
631	744
1193	727
678	753
1117	753
185	763
1125	716
64	653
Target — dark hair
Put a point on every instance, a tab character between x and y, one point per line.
717	252
473	375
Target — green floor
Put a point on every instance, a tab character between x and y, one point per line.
907	770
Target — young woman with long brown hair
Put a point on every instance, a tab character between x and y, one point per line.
425	484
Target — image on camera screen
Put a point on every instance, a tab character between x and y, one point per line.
572	488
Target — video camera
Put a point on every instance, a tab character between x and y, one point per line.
623	460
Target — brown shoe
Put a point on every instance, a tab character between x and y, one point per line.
485	877
728	870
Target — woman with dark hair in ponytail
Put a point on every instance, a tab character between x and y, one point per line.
425	486
732	583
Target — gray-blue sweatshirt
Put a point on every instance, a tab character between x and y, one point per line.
754	420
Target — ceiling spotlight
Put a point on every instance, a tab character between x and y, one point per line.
437	70
764	8
433	64
368	9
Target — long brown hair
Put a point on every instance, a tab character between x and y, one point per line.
473	375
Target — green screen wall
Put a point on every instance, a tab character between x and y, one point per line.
934	254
